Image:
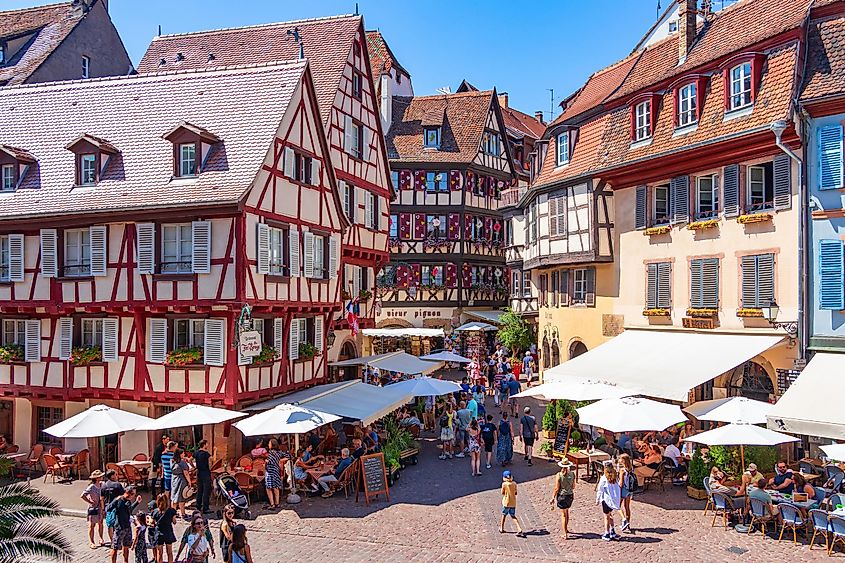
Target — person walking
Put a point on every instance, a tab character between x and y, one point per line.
504	446
528	368
227	525
123	506
95	516
158	478
164	516
447	431
139	545
488	438
529	433
167	467
198	540
563	494
202	458
627	486
179	482
473	433
503	387
462	419
239	550
513	388
608	495
509	504
273	475
110	490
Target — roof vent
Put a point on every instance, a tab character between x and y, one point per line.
210	57
162	62
180	57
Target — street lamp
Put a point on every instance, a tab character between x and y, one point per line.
770	313
330	338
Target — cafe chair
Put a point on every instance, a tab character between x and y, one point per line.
722	505
761	514
244	462
835	475
835	500
837	532
807	467
133	476
245	482
80	461
258	467
658	478
56	450
140	457
347	480
54	468
13	449
118	471
821	527
33	460
791	518
709	495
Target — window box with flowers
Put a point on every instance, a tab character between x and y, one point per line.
11	353
758	217
432	286
86	355
749	312
268	355
702	312
435	243
181	357
394	243
364	294
657	312
657	230
703	224
307	351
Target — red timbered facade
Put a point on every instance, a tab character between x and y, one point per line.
143	220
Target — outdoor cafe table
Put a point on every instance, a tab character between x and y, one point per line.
15	457
580	458
141	465
778	498
319	470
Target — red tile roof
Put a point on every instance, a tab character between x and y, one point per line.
133	113
460	138
381	57
524	124
825	72
327	43
599	87
53	23
585	157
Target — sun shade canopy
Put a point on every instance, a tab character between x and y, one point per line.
99	420
731	409
191	415
284	419
630	414
400	362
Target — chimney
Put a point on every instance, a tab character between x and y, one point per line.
503	99
686	28
538	115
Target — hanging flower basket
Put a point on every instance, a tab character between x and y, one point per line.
657	312
184	357
394	243
754	218
84	355
659	230
11	353
702	312
703	224
748	312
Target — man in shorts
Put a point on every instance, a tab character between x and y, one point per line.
513	388
529	433
123	506
509	503
528	367
462	420
488	435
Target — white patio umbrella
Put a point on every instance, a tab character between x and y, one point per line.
446	356
284	419
741	434
731	409
96	421
835	451
630	414
576	390
191	415
425	387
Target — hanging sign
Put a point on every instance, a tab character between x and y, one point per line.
249	343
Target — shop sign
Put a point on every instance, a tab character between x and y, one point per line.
249	344
697	322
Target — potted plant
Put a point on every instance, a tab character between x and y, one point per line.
550	421
697	473
11	353
267	355
364	294
307	350
546	449
85	355
184	357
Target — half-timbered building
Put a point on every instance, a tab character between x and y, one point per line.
336	48
450	162
145	213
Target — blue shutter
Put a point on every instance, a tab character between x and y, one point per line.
640	207
830	157
831	286
730	190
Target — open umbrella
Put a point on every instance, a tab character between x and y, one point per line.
573	389
741	434
731	409
446	356
284	419
835	451
191	415
425	387
630	414
99	420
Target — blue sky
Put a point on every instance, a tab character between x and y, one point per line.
523	48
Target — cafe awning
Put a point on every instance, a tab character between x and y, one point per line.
491	316
476	326
663	364
400	362
352	400
813	404
404	332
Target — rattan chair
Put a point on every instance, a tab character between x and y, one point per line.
821	527
722	505
761	514
791	518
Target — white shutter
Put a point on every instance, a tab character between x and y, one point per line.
32	344
278	330
65	337
16	261
359	279
110	340
318	333
289	163
242	360
368	138
157	332
315	172
49	254
348	138
333	265
201	239
308	243
214	343
99	262
263	252
146	235
368	209
293	344
343	189
294	253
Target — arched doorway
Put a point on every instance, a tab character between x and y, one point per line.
547	352
347	352
555	353
576	349
751	380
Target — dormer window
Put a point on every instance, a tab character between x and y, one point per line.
87	169
687	103
491	143
188	159
741	85
2	53
432	138
92	158
741	79
563	148
192	146
14	164
642	121
7	177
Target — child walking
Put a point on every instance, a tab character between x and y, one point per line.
140	544
509	504
608	494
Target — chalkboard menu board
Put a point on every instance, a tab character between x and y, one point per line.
373	477
561	445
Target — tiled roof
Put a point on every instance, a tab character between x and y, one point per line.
598	88
460	138
327	42
133	113
381	57
825	72
523	123
16	153
53	23
585	156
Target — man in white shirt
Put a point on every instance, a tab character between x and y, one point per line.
672	452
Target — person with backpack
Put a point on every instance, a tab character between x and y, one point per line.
447	431
563	495
488	438
627	484
513	388
503	392
504	447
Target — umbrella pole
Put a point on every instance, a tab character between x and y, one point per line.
742	456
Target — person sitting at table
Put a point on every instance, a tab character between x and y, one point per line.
716	482
673	454
650	464
4	445
326	480
749	477
802	486
259	450
371	439
757	491
782	481
358	448
410	420
623	442
304	462
313	438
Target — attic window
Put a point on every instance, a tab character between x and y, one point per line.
432	137
87	169
14	164
188	159
491	144
2	53
86	67
92	157
191	146
357	84
7	179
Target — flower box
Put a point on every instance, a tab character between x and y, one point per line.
749	313
307	351
659	230
364	294
268	354
702	313
754	218
184	357
703	224
85	355
659	312
697	494
11	353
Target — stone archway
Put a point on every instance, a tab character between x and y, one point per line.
576	348
752	380
394	323
347	351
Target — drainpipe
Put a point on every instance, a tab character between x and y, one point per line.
777	128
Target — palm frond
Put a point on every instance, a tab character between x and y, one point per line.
35	541
20	503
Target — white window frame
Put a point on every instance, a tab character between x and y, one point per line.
87	169
278	251
17	327
740	84
667	217
357	85
82	251
642	121
357	134
431	137
762	202
194	330
184	159
687	114
5	258
7	182
491	144
319	256
563	148
579	286
526	283
91	334
86	67
184	264
713	190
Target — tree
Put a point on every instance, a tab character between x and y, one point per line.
514	333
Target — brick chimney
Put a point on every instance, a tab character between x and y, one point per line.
686	28
538	115
503	99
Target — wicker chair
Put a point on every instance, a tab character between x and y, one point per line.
245	482
118	471
658	477
258	467
709	495
759	512
347	479
55	467
56	450
80	461
140	457
792	519
13	449
244	462
33	461
134	477
724	505
821	527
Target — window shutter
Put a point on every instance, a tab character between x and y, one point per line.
552	216
679	199
214	343
640	213
766	279
308	243
262	253
591	287
782	167
565	295
749	281
368	209
562	210
32	344
146	235
830	157
110	340
293	349
201	238
419	226
333	265
651	287
243	360
318	333
730	190
315	172
98	250
289	163
65	337
696	284
49	254
278	331
376	212
16	261
831	289
710	283
664	284
294	253
157	352
348	139
368	138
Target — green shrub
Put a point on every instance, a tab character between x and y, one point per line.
698	471
550	417
764	456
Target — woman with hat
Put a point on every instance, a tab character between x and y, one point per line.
564	494
92	496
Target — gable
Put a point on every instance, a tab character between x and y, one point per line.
494	124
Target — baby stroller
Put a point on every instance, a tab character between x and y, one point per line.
228	488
